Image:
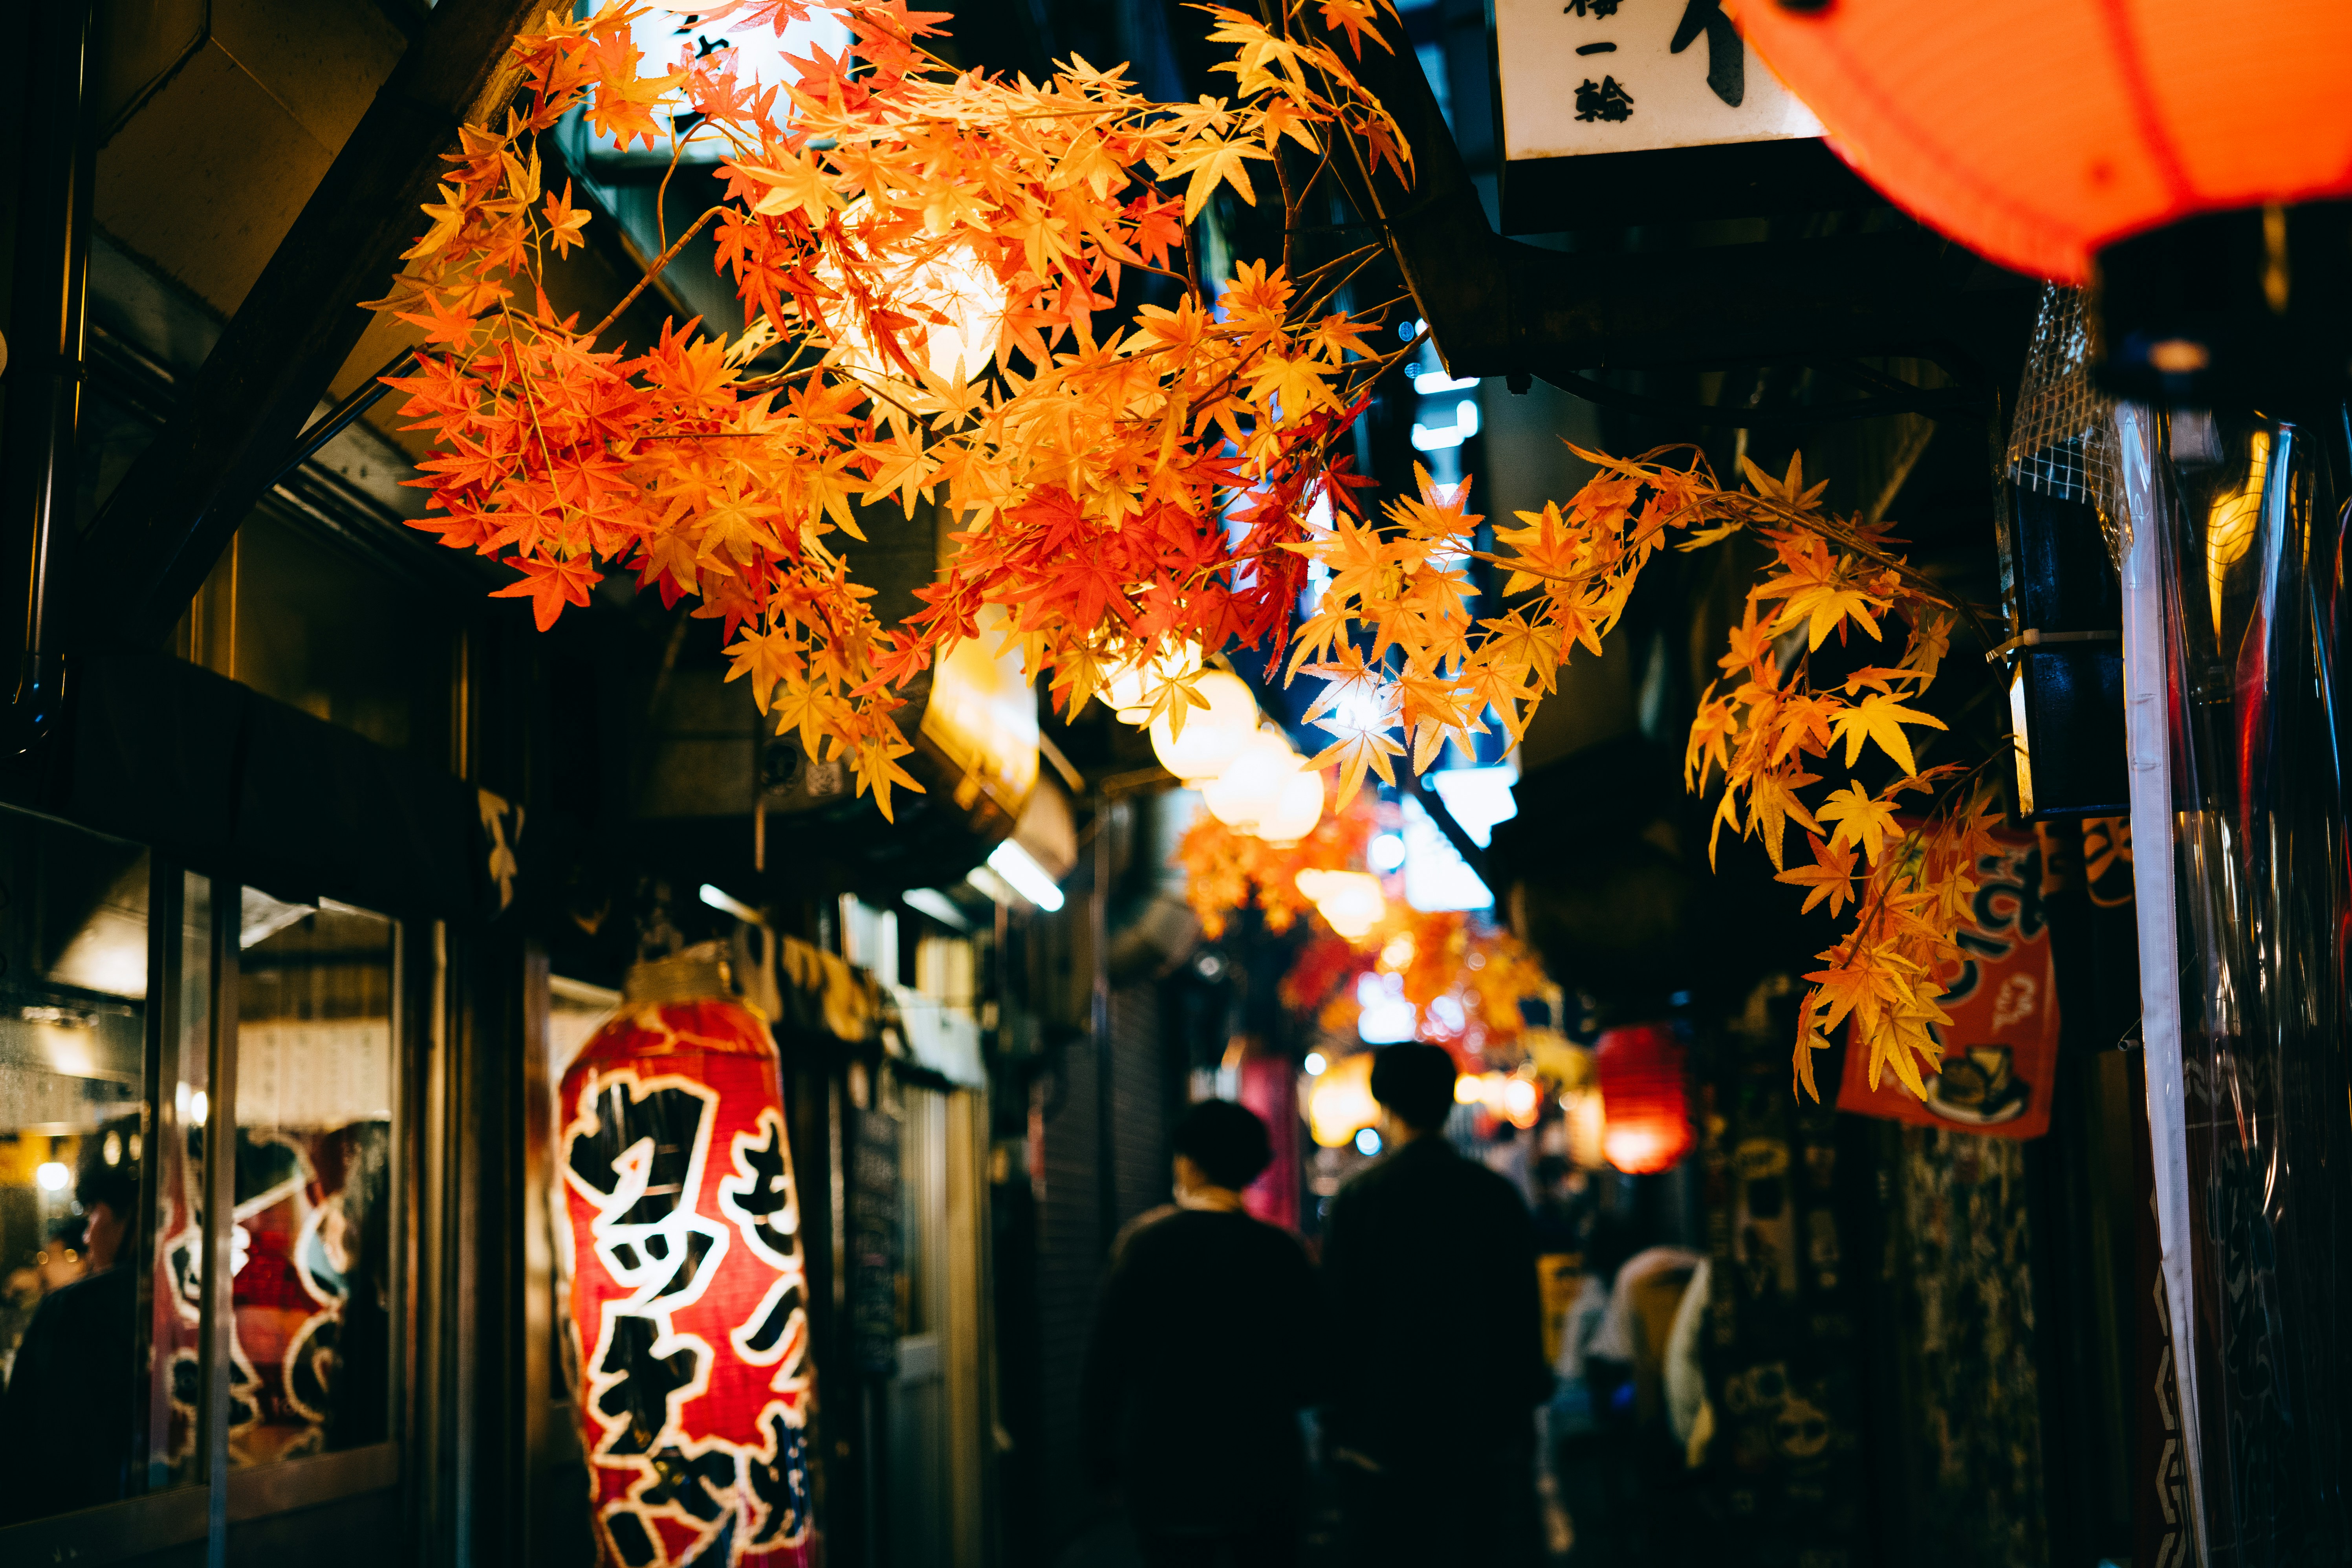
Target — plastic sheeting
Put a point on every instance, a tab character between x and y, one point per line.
2234	611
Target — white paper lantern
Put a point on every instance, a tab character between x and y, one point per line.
1296	813
1214	735
1251	788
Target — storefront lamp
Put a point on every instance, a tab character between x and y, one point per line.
1027	878
1212	736
679	1239
51	1176
2189	159
1644	1098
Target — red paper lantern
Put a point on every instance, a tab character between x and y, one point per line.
2045	132
680	1239
1644	1102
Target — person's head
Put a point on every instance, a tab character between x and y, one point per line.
1413	1081
1221	1144
107	1188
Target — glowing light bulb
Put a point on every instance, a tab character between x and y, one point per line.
1315	1064
1368	1143
1468	1090
52	1176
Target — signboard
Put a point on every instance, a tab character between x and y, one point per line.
1625	76
2001	1050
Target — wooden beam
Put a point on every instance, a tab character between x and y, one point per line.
174	514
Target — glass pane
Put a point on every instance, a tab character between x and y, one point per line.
312	1287
73	996
182	1106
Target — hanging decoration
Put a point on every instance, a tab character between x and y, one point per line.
1763	729
1226	870
679	1239
1644	1099
894	227
2034	132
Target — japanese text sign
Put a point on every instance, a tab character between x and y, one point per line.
1620	76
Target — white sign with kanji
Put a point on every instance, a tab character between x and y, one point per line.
1619	76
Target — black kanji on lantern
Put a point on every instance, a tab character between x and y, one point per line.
1603	99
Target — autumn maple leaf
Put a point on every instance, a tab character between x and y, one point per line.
551	584
1860	819
1831	876
1880	719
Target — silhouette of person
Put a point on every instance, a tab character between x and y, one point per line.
1200	1360
1426	1255
65	1420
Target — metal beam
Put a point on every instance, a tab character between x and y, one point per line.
177	509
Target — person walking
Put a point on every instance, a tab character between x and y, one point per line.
1200	1360
1430	1271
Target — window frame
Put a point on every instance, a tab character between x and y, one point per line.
203	1508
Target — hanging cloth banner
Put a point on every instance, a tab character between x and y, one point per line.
679	1236
2000	1049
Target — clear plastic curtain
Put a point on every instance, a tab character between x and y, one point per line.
2235	613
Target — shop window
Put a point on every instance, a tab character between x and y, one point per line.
312	1287
73	1153
127	1252
309	620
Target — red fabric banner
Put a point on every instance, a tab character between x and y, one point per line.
680	1239
2001	1050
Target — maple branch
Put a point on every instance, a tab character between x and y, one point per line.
652	272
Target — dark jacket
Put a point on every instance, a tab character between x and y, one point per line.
65	1421
1437	1326
1199	1364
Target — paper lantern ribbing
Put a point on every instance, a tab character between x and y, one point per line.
681	1237
2183	154
1644	1098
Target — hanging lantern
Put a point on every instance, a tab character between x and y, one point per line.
1212	736
1340	1104
1296	811
1251	789
679	1235
2155	146
1644	1102
1129	685
956	300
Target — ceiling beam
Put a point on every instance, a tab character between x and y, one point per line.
177	508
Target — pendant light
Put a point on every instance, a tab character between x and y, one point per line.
1212	736
1249	789
2180	155
1295	813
